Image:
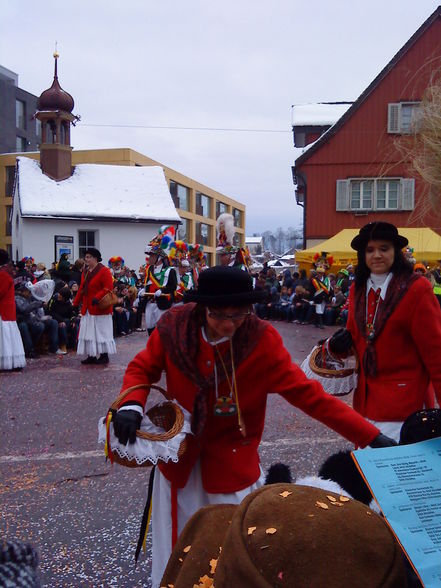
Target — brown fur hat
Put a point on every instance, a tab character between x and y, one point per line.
286	535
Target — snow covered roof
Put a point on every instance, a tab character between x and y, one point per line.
253	240
93	190
318	114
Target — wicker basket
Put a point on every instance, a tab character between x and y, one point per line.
336	377
109	299
167	416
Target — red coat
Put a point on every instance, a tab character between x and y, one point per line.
98	286
230	462
7	297
408	353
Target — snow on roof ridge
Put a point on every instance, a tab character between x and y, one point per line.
320	113
96	190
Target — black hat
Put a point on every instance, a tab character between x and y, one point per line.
421	426
4	257
224	286
379	231
94	253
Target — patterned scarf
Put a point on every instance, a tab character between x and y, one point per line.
398	287
179	329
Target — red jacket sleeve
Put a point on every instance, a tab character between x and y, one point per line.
426	334
288	380
106	282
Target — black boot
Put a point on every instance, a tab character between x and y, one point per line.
320	321
89	360
103	359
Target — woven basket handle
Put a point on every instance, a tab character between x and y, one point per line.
117	403
179	420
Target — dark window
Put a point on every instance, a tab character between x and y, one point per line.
183	230
237	214
20	144
10	177
203	205
202	234
20	114
8	221
179	195
221	207
38	130
86	239
9	250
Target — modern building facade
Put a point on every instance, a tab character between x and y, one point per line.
355	172
19	132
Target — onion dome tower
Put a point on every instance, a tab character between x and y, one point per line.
54	111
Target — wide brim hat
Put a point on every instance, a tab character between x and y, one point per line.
421	426
224	286
378	231
94	253
287	535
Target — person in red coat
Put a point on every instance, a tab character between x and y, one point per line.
12	355
95	337
394	325
221	362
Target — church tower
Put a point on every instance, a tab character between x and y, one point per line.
54	111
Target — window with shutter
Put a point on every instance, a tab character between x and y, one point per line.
342	195
393	118
407	194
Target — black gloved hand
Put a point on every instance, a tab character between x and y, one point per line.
340	342
95	301
125	425
382	441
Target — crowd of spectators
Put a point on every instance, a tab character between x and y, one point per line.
52	326
290	297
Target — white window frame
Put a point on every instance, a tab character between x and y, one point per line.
362	198
406	195
395	115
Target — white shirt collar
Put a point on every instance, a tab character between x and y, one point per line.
376	283
204	335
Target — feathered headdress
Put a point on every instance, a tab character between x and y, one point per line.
180	252
116	259
30	259
196	253
163	243
225	233
323	260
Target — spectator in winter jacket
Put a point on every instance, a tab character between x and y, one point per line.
32	323
61	309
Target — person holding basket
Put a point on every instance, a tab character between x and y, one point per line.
220	363
95	297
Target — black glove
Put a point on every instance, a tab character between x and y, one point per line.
382	441
125	425
340	342
95	301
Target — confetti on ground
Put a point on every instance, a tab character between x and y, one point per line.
264	546
321	505
280	575
187	549
331	498
285	493
251	530
271	531
368	513
213	565
344	499
336	504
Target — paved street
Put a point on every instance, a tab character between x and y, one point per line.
58	492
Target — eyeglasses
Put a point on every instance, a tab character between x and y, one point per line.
219	316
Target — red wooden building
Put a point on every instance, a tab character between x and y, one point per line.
354	173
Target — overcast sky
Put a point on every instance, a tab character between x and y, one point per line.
200	63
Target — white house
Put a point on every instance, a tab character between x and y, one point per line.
116	209
255	245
